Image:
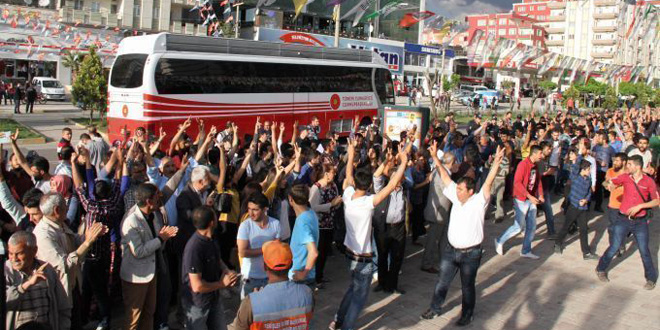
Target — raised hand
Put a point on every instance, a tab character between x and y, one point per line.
94	231
167	232
14	136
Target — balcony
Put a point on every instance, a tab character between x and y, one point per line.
554	42
605	15
556	4
554	30
556	18
176	27
605	28
604	42
599	3
602	55
86	16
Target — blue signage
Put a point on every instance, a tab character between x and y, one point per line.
430	50
392	55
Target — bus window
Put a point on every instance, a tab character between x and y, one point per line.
384	86
184	76
127	71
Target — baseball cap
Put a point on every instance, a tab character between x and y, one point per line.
277	255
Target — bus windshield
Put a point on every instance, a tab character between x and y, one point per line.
127	71
384	86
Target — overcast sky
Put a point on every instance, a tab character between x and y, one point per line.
460	8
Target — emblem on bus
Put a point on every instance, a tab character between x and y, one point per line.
124	110
335	101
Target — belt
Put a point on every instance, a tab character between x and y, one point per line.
358	258
635	218
468	249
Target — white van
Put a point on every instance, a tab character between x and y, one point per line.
473	88
50	88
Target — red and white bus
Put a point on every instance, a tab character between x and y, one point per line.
160	80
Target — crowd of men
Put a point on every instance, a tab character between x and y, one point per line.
183	226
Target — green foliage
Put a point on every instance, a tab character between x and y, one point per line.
641	91
593	87
547	86
507	84
450	83
611	101
72	61
90	89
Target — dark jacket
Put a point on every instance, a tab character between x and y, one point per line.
187	201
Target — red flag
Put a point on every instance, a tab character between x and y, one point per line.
411	19
5	14
229	19
14	23
222	4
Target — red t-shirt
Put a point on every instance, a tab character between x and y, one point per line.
630	195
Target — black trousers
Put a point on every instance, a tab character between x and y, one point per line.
226	237
17	106
96	282
29	106
390	244
163	293
325	247
417	221
600	191
575	215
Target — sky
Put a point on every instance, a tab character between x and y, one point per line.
457	9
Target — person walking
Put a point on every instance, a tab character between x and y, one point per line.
204	274
616	195
527	194
31	96
462	252
281	304
18	96
325	200
640	197
304	237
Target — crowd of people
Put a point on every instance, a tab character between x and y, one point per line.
181	227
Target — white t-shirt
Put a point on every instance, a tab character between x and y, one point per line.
256	237
556	153
466	221
646	156
358	213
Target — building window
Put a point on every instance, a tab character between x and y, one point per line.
571	36
512	31
481	22
156	12
521	9
502	32
539	8
96	7
136	10
503	21
113	9
541	18
78	4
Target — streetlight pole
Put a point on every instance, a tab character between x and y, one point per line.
238	17
337	12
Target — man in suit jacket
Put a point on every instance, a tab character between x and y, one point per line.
193	196
144	233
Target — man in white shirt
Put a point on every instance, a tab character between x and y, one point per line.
464	236
642	149
358	212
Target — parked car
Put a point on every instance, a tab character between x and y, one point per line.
50	88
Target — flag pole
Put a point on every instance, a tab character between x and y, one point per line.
337	12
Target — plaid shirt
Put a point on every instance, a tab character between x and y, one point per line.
108	212
580	187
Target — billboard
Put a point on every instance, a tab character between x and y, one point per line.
397	119
393	55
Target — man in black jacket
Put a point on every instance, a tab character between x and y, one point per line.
31	97
18	96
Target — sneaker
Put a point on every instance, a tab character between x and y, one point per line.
499	248
529	255
650	285
464	320
602	276
590	256
103	325
429	314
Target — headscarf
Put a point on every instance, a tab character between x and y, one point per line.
62	184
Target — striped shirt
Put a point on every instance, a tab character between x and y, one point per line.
108	212
580	187
34	303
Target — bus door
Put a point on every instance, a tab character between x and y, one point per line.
126	95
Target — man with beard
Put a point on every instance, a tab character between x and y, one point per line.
616	194
38	168
642	149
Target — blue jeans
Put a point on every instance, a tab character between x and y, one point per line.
454	261
356	295
250	284
210	317
547	209
620	230
525	218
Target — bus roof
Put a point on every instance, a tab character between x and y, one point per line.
167	42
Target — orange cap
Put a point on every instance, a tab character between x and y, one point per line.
277	255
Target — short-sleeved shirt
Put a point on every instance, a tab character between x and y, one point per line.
256	236
466	221
631	197
647	156
201	256
616	194
358	213
305	231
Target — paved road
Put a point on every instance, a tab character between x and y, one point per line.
554	292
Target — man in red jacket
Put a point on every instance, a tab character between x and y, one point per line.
527	194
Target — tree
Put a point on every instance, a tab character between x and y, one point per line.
431	82
641	91
547	86
611	101
90	88
72	61
571	93
449	85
